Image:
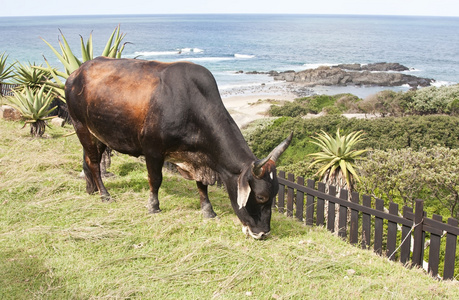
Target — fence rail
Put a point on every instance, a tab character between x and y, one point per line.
308	204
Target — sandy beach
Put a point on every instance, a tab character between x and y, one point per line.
249	103
246	104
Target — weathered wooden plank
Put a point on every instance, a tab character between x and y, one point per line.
406	237
392	232
281	193
320	219
290	196
379	205
418	246
354	226
299	200
331	210
310	204
366	223
450	251
342	220
434	252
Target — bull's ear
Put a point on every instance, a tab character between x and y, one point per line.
243	190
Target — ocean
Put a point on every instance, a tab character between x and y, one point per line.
227	44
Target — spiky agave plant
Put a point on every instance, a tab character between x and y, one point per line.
337	158
113	49
30	76
34	108
6	72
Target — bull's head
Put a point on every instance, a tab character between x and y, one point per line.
256	188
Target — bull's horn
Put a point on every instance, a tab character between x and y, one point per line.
274	155
258	166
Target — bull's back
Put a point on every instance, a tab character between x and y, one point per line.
112	98
129	103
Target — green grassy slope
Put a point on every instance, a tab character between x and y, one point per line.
57	242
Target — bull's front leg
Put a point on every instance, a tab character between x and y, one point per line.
155	178
206	207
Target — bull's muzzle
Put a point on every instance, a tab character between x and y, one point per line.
260	236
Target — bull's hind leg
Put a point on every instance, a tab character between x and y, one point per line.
206	207
155	178
92	155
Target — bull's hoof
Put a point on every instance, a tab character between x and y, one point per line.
209	214
107	198
154	211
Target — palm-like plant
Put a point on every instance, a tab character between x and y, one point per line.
30	76
113	49
34	108
6	72
337	158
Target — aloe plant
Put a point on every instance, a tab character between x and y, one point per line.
34	106
6	72
113	49
337	158
30	76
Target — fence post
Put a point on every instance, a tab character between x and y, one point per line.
379	205
310	204
281	194
406	237
392	232
299	200
331	209
320	205
290	196
417	243
450	251
366	223
434	252
342	221
354	228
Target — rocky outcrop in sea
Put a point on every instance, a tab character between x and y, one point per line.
378	74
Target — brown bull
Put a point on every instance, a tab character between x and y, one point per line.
170	112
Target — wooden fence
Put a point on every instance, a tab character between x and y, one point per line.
7	89
414	225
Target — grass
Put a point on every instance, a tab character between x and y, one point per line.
57	242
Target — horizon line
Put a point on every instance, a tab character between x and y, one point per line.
239	13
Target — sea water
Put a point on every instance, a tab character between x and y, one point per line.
228	44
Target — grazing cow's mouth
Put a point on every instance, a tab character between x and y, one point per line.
259	236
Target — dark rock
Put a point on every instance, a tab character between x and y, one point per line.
355	74
9	113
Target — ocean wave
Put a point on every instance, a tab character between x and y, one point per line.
168	52
243	56
442	83
209	58
155	53
316	65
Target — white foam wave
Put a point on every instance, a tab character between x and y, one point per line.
243	56
155	53
442	83
214	59
315	66
168	53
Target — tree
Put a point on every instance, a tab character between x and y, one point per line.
430	173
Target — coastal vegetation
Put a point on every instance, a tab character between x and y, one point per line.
426	101
60	243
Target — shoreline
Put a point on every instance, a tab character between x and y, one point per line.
246	104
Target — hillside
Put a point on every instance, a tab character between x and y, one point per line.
60	243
